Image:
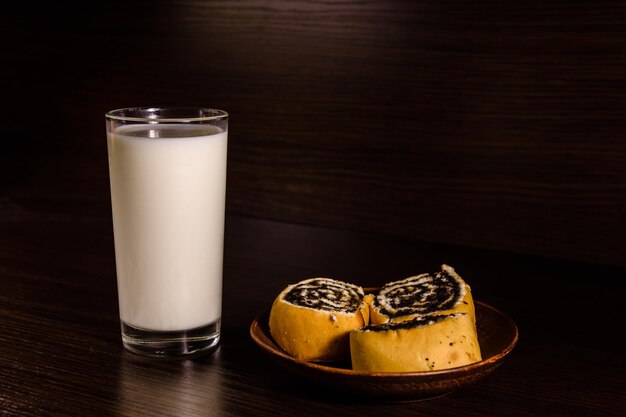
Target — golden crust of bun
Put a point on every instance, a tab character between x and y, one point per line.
447	343
314	334
464	305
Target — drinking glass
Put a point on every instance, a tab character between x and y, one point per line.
167	169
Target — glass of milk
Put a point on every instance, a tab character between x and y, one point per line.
167	168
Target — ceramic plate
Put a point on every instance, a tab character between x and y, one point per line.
497	336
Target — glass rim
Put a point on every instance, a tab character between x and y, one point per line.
117	114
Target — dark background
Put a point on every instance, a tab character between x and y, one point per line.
499	125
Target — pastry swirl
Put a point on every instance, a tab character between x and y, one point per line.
442	292
312	319
325	294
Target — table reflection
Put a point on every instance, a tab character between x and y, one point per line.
150	386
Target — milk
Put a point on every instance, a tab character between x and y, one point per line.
167	196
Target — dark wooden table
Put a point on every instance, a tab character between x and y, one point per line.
61	354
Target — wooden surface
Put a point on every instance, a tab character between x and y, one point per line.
486	124
61	353
368	141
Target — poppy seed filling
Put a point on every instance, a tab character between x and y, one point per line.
423	294
325	294
410	324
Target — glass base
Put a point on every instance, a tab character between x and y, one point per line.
171	344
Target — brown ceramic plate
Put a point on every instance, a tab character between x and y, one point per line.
497	336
